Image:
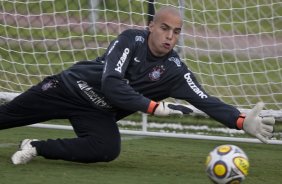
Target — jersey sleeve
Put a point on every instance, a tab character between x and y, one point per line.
190	90
114	84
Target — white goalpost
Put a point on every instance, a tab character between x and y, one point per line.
233	47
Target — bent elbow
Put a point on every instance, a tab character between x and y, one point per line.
106	88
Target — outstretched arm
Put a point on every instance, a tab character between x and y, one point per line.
190	90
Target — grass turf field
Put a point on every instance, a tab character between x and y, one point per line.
143	160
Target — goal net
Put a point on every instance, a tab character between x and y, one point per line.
233	47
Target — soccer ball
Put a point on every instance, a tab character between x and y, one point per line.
227	164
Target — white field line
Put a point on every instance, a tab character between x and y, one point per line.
179	127
6	145
129	138
152	125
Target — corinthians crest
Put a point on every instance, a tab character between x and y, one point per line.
156	73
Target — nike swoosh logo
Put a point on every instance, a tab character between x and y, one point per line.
136	60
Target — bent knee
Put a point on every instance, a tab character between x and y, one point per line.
111	154
104	152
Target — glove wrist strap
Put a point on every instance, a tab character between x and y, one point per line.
152	107
240	121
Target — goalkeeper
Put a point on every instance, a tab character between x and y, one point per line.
138	70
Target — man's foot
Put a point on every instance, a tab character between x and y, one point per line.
26	152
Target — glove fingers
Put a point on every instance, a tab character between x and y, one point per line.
266	134
175	112
267	128
268	120
262	138
164	109
182	108
256	110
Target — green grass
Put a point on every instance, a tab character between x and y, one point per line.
143	160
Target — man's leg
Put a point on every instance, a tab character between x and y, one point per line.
37	104
98	140
98	135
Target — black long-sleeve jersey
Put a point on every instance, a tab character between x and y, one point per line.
128	76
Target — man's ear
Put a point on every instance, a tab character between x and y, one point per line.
151	25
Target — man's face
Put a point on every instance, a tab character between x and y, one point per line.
164	34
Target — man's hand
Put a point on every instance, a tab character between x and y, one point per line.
166	108
259	127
